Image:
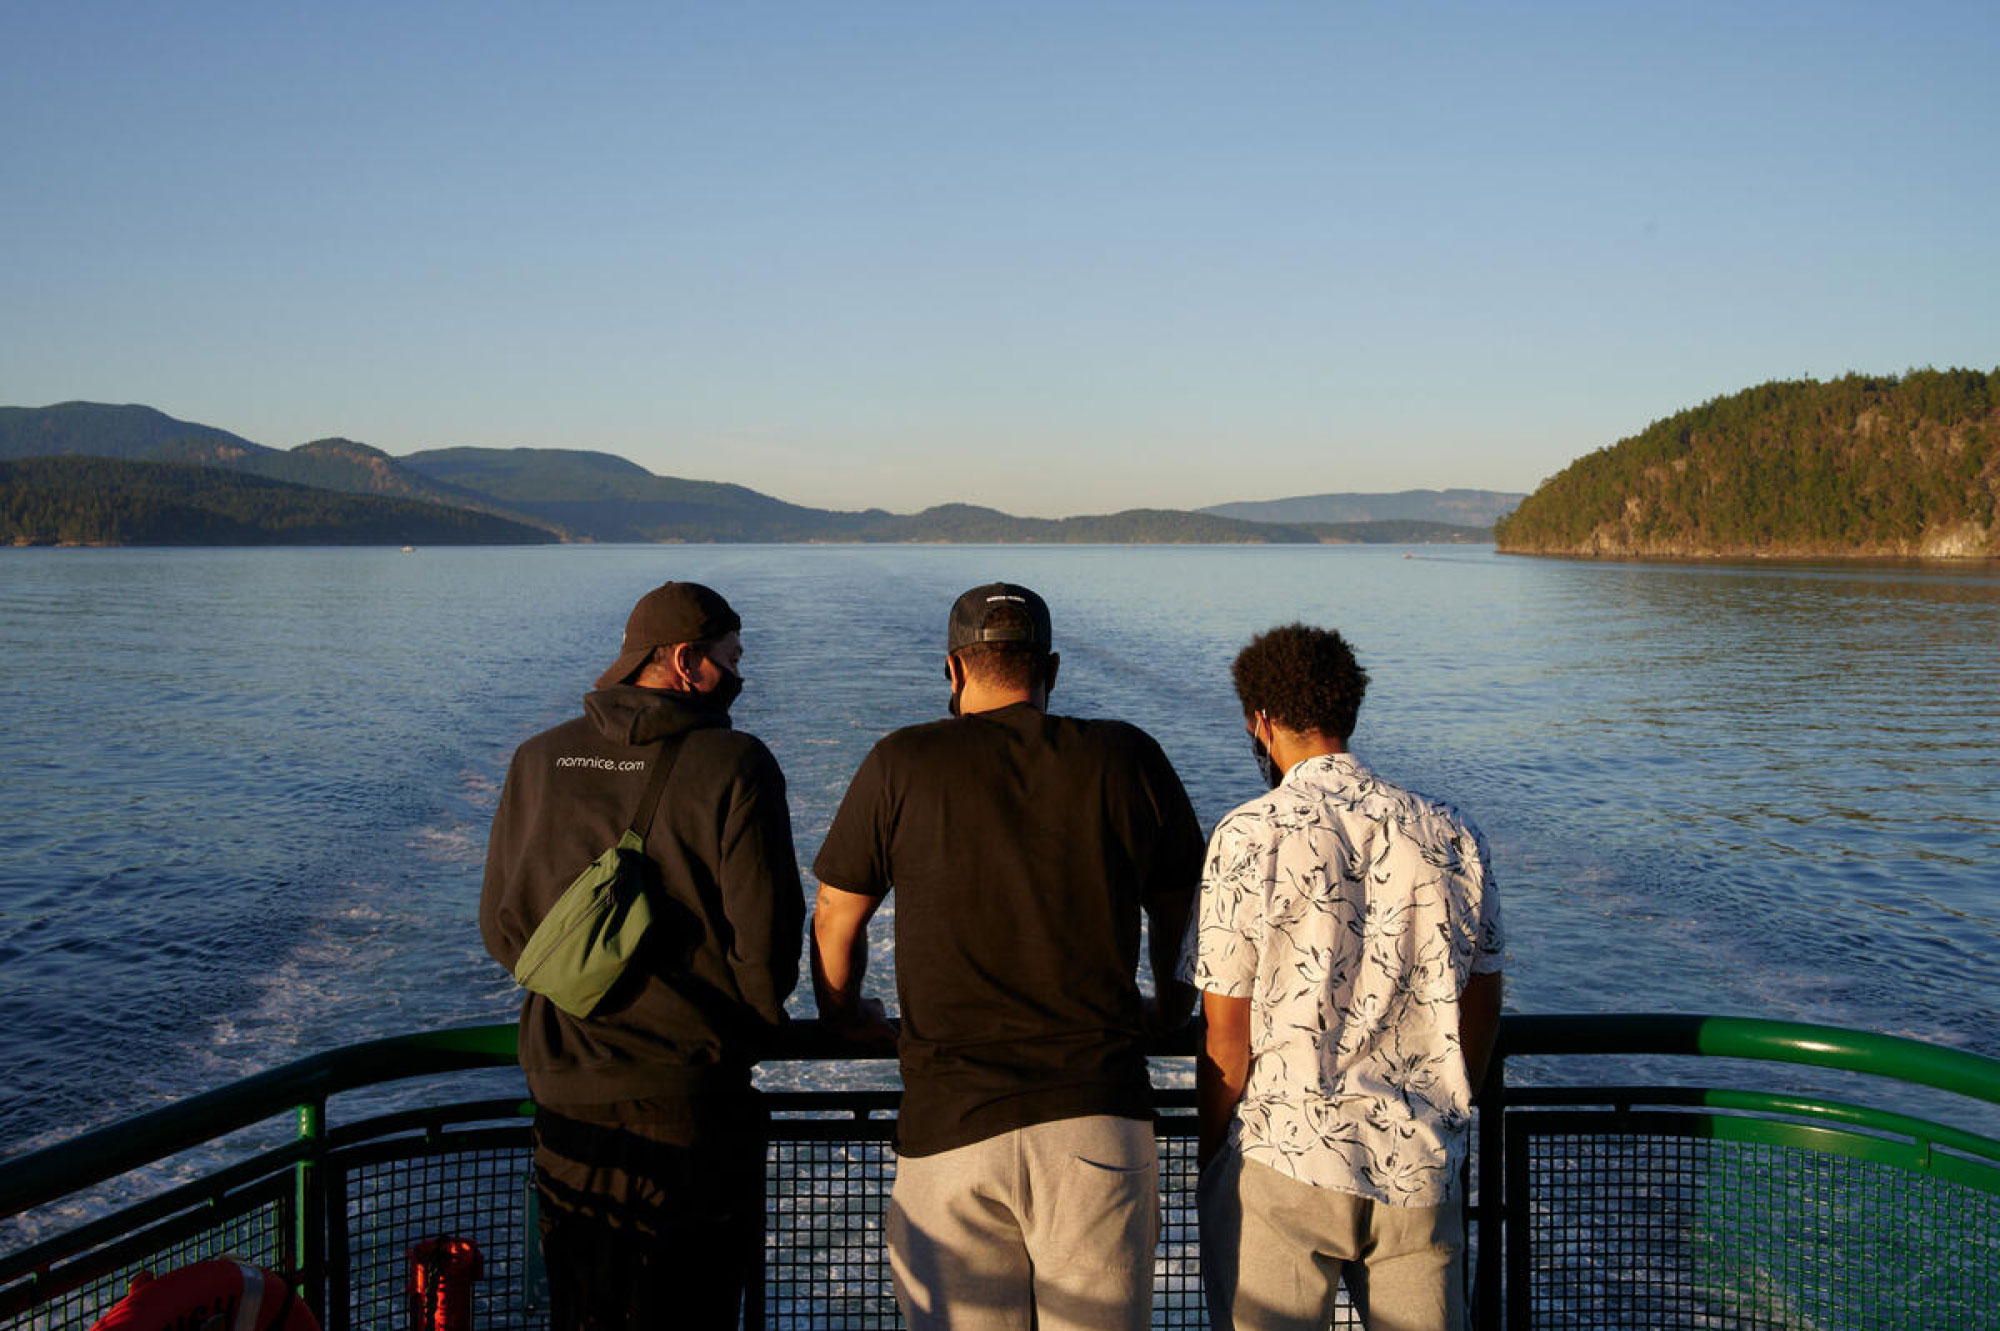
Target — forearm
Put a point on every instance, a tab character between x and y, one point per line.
837	982
1479	1025
1166	927
839	953
1222	1070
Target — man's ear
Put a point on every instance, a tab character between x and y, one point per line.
687	660
1049	675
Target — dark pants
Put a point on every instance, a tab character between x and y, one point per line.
652	1212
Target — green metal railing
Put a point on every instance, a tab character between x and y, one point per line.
1695	1205
1692	1202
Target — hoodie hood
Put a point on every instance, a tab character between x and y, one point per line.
628	714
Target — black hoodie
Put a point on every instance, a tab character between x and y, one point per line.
678	1022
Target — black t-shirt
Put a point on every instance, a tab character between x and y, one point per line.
1021	848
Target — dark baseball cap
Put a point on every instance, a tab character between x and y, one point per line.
670	613
999	612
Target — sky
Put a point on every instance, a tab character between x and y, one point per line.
1053	258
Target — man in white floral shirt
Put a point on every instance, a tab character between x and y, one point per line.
1348	950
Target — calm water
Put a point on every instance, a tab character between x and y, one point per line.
246	792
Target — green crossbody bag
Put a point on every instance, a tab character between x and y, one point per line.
591	934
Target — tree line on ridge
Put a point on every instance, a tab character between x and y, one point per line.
1861	465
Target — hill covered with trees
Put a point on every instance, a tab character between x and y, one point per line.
603	497
599	496
198	492
109	501
342	464
1878	466
97	429
143	434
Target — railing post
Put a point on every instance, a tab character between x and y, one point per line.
309	1209
1487	1315
753	1293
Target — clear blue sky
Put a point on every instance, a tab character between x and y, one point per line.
1052	257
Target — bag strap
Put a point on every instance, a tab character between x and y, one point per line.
641	822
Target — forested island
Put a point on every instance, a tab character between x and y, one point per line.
83	473
105	501
1866	465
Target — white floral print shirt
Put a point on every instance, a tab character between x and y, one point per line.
1351	912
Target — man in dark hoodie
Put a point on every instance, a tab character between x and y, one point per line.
649	1146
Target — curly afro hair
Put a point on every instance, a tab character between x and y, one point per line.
1303	678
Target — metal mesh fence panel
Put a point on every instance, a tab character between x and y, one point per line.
1177	1267
402	1193
1788	1237
826	1258
1607	1223
256	1231
1641	1229
826	1254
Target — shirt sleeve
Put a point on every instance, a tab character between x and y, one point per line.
855	854
1224	929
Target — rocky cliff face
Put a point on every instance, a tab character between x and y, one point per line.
1953	540
1960	540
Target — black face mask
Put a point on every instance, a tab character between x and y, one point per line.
1266	765
726	690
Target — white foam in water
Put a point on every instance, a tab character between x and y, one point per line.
1664	795
455	844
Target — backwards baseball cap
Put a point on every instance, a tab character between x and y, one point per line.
670	613
999	612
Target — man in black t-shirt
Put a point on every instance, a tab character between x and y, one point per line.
1022	848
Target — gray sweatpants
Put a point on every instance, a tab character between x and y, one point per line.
1051	1226
1273	1251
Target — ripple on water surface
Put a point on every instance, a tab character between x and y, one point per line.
269	773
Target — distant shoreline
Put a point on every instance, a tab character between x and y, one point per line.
1758	557
418	547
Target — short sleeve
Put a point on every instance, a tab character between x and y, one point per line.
854	857
1224	930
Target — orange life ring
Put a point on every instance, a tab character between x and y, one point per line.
222	1294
